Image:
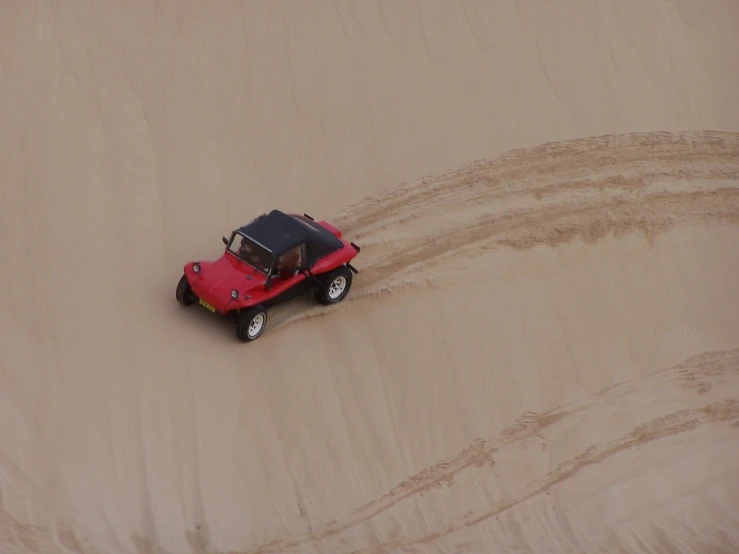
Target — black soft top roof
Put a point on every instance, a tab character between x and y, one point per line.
279	232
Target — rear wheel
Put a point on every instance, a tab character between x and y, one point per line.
251	323
334	286
184	293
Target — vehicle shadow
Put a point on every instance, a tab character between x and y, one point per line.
278	315
215	325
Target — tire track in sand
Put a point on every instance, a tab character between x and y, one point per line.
629	159
706	374
550	194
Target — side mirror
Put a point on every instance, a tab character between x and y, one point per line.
225	240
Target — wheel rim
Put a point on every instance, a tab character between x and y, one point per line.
256	325
336	287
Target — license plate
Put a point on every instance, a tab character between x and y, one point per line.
205	304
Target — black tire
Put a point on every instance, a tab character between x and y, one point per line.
251	324
333	286
184	293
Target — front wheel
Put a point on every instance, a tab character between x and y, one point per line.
334	286
251	323
184	293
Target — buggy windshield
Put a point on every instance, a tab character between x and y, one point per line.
251	252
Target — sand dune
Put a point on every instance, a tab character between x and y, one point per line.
493	461
539	354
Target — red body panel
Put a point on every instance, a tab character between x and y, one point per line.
218	278
326	225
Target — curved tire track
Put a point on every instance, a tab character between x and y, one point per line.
575	164
551	194
712	368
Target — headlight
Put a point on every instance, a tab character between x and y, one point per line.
234	293
196	267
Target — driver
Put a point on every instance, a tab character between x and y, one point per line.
245	249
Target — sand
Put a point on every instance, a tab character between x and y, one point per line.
539	354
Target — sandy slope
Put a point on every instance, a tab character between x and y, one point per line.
540	353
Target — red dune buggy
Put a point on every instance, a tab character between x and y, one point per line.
273	259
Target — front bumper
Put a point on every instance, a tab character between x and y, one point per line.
211	302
